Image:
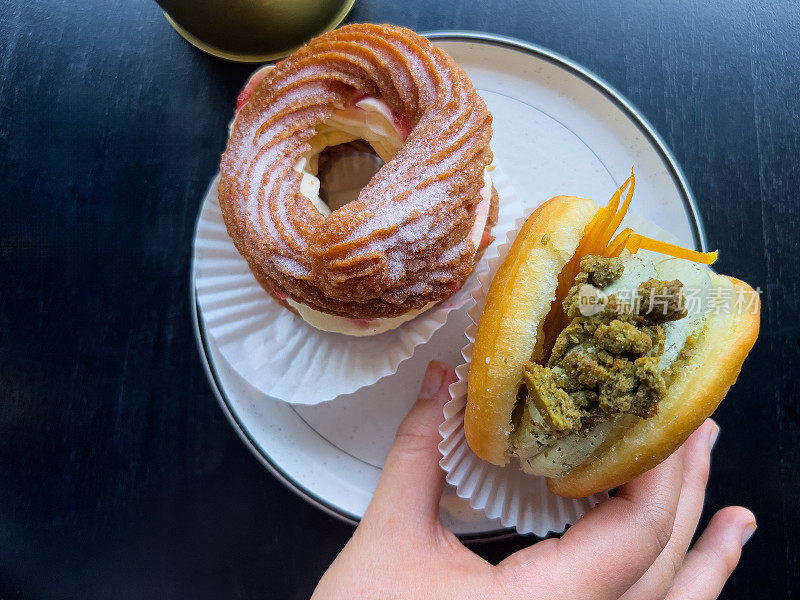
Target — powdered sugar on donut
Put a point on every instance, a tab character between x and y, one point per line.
412	235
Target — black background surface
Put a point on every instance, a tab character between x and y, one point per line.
119	475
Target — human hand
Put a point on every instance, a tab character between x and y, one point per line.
633	546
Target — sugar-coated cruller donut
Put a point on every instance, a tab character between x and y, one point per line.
415	232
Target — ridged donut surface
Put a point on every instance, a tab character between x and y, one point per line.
405	241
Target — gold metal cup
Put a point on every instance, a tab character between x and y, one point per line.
253	30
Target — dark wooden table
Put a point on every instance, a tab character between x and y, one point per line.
119	475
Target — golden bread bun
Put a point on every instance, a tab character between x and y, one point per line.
519	298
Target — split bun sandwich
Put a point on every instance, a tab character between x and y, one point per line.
598	353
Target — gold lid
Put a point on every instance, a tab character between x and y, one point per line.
253	30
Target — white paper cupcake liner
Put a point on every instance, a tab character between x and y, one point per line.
282	356
518	500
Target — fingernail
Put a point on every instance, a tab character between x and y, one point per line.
432	380
748	533
712	437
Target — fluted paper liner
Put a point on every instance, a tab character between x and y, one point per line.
281	355
518	500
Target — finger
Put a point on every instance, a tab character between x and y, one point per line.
714	556
410	486
656	582
612	546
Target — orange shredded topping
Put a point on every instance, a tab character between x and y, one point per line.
634	242
617	245
597	240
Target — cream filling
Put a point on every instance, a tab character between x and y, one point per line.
354	327
543	454
371	120
697	287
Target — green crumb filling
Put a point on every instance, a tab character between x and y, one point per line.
605	364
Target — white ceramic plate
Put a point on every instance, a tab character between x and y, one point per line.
558	129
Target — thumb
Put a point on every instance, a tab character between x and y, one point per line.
411	483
